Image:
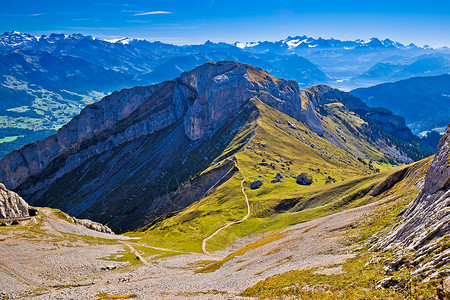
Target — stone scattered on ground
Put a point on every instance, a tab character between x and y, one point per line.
256	184
278	178
386	282
443	290
93	225
304	179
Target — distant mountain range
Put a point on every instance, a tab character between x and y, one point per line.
46	80
306	42
397	68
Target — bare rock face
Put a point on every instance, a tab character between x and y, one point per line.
11	204
203	99
428	216
424	222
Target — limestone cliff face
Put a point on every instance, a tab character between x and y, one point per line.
203	98
11	204
428	216
222	88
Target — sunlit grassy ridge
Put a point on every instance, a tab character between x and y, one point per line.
267	145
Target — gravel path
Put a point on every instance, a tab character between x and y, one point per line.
235	222
71	269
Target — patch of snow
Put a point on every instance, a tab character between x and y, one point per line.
295	43
243	45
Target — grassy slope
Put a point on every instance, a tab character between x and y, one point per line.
358	279
283	144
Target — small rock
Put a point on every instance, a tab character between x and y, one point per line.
386	282
397	263
372	261
278	178
256	184
388	271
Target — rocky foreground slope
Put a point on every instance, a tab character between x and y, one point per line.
428	216
421	237
126	156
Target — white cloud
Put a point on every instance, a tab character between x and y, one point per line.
157	12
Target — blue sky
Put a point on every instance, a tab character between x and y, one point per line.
187	22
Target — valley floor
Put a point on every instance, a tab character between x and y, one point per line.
51	258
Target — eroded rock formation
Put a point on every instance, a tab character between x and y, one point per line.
424	224
12	205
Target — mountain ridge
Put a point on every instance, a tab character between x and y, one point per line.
21	39
204	109
404	97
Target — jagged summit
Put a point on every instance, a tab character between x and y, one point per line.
15	39
305	42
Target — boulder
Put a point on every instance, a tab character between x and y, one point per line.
256	184
304	179
278	178
12	205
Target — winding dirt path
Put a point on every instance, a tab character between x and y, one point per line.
235	222
135	252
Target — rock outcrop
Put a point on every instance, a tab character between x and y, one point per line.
428	216
425	223
12	205
319	98
93	225
278	178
